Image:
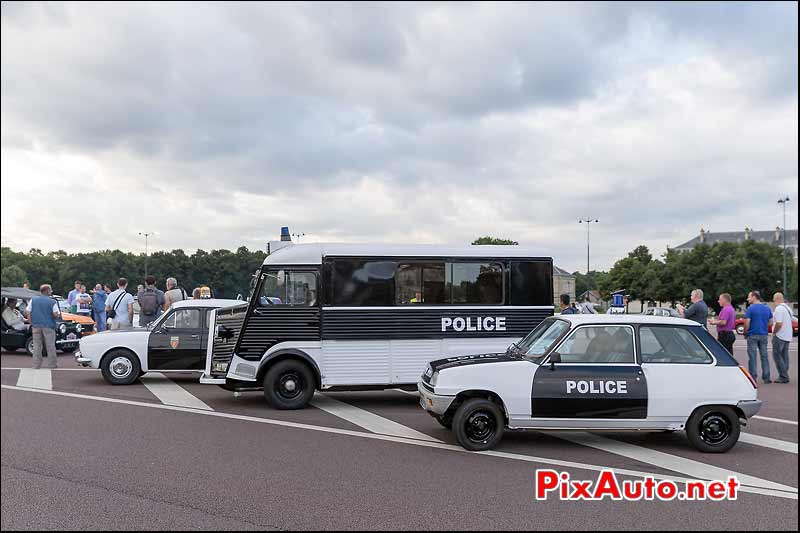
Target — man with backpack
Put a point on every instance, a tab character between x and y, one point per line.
151	301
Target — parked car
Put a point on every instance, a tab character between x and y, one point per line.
740	326
68	332
175	342
662	311
86	322
600	372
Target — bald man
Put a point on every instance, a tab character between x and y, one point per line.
781	337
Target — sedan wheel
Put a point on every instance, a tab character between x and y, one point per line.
120	368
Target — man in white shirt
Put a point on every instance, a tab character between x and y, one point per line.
83	302
12	317
121	303
781	336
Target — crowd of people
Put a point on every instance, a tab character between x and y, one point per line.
101	304
759	321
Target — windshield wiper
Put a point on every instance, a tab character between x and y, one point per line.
514	350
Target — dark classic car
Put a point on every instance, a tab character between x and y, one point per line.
68	332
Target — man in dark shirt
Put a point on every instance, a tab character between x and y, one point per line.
698	311
566	309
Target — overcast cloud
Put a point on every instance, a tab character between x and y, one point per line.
214	125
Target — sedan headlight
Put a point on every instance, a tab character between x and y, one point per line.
62	328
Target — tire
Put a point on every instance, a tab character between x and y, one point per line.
289	384
120	367
29	346
713	429
740	329
445	422
478	425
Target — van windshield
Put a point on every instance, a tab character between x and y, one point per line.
539	341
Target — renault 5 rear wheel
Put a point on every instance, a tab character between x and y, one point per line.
713	429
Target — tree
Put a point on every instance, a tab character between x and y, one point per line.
493	240
629	274
13	276
590	282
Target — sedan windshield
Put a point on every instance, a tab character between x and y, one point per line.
542	338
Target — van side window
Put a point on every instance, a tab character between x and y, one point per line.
282	287
476	283
420	283
531	283
357	282
665	344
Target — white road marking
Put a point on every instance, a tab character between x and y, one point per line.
35	378
690	467
767	442
786	492
781	420
365	419
170	393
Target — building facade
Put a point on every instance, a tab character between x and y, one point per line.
773	237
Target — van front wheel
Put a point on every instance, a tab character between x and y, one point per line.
289	385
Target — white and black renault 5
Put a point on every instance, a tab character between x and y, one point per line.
596	372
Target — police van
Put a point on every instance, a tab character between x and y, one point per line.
360	317
596	372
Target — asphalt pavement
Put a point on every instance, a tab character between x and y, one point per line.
170	453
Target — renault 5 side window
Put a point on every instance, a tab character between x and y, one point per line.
664	344
598	344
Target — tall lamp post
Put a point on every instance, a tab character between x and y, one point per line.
783	202
588	222
146	235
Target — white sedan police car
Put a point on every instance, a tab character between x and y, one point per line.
175	342
596	372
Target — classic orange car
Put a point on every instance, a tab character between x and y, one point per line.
86	322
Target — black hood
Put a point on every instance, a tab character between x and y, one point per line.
465	360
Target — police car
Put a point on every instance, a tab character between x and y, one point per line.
596	372
175	342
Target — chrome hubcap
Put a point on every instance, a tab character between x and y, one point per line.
121	367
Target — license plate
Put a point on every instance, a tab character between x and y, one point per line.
71	337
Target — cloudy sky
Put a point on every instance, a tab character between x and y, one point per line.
214	125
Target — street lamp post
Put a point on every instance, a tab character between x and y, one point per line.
146	235
783	202
588	222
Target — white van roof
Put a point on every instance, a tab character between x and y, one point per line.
312	254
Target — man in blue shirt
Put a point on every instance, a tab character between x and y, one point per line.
757	320
42	315
99	307
73	296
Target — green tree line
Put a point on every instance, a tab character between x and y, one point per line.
735	268
228	273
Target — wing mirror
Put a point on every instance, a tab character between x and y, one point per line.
555	357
